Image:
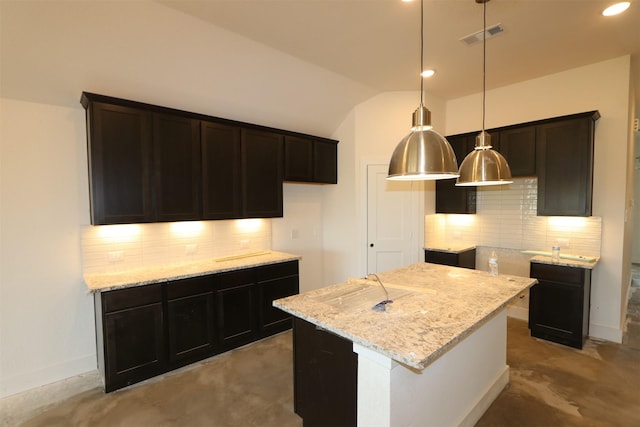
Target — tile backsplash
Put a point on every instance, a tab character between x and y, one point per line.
108	248
506	217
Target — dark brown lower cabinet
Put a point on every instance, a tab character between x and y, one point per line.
145	331
559	304
275	282
130	335
465	259
325	377
190	320
236	309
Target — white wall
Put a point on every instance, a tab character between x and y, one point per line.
300	231
602	86
46	314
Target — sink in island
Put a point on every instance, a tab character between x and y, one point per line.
435	356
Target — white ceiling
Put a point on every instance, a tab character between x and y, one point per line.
377	42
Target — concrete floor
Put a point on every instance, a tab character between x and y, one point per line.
551	385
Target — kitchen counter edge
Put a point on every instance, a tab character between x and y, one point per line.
102	282
542	259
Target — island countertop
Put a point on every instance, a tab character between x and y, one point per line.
434	307
100	282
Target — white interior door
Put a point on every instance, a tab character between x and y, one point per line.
395	212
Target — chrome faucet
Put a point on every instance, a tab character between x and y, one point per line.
381	306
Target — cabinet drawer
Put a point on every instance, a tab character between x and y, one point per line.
274	271
132	297
557	273
188	287
233	279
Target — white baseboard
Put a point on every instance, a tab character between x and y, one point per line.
606	333
487	399
20	407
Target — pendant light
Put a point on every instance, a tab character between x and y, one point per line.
423	154
484	166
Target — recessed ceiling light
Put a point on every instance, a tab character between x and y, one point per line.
428	73
616	8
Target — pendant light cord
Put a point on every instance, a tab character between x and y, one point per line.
484	61
421	52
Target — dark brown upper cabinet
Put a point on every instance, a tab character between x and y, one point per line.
325	162
221	185
310	160
298	159
261	165
119	151
559	151
564	149
452	199
176	149
149	163
518	146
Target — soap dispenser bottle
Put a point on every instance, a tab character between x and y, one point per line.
493	264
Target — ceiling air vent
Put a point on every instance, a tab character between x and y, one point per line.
476	37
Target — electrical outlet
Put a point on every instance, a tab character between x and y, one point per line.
115	256
191	249
564	243
295	233
244	244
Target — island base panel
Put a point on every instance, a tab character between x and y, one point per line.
455	390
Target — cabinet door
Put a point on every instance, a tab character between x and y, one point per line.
325	162
298	159
518	146
190	319
236	309
130	335
452	199
262	164
119	164
134	345
221	187
325	377
274	282
176	146
565	167
559	304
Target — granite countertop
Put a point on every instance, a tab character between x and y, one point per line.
100	282
567	260
451	248
587	263
434	307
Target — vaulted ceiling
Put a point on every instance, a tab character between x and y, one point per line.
377	42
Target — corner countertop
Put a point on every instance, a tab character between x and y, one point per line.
566	260
451	248
434	307
543	259
100	282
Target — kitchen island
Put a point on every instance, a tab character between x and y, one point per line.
435	356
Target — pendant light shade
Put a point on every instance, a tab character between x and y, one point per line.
484	166
423	154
